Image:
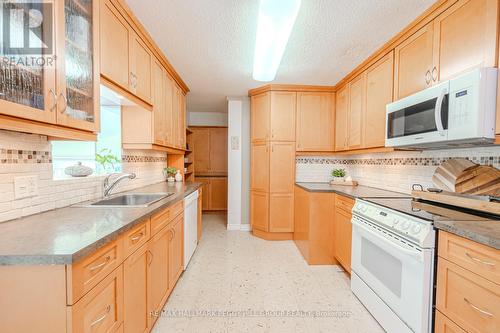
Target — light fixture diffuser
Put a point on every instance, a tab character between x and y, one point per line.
276	20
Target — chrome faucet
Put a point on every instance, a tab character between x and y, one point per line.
108	187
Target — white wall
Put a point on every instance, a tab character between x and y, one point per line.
238	163
207	118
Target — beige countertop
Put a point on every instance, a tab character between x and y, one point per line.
354	192
63	236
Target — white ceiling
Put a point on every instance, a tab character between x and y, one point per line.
211	42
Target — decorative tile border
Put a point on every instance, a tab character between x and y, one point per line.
409	161
15	156
143	159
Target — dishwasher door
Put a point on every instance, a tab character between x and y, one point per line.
190	226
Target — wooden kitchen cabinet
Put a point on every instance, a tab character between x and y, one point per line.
281	170
357	109
379	91
159	106
315	129
413	63
281	212
136	284
260	116
343	231
273	116
210	146
341	119
214	194
259	208
176	251
200	213
259	167
140	63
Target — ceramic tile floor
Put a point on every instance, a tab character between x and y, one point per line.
267	286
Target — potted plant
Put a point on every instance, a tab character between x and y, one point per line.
338	175
170	172
106	159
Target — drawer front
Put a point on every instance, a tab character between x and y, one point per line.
344	203
159	220
480	259
176	209
101	310
467	299
444	325
136	237
87	273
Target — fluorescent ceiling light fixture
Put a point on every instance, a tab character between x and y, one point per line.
276	20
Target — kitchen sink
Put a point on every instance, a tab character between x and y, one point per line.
129	200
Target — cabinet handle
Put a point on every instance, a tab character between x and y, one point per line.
97	321
486	313
151	256
434	74
428	77
137	237
479	260
54	96
106	260
172	233
65	99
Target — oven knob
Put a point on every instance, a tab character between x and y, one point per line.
416	229
405	225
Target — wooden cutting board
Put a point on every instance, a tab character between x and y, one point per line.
460	175
454	199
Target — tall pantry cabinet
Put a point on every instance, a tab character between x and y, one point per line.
272	164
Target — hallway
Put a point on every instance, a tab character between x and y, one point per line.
267	286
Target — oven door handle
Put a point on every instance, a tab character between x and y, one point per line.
438	110
374	236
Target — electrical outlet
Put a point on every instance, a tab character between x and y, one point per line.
235	142
25	187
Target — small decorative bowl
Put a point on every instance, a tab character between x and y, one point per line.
78	170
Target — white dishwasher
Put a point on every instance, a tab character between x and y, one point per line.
190	226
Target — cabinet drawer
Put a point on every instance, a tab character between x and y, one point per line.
136	237
480	259
85	274
176	208
159	220
101	310
344	203
467	299
444	325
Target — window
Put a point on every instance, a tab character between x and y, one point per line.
108	145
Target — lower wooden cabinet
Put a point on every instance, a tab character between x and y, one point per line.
343	231
259	208
176	251
444	325
214	194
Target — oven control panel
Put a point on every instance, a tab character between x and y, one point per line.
417	230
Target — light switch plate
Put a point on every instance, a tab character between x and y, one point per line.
235	142
25	187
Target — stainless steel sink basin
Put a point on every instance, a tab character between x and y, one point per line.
129	200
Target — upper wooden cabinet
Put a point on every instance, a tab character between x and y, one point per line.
463	37
273	116
210	146
315	129
140	68
357	109
379	90
341	118
159	106
260	110
57	93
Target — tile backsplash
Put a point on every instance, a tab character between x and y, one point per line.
396	171
29	154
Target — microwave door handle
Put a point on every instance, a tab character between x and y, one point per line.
370	234
438	113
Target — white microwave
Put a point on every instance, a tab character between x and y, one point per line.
455	113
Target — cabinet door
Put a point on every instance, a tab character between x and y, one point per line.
259	210
282	167
168	110
413	63
218	150
140	68
341	116
182	119
114	45
159	121
342	238
205	194
260	109
176	251
315	121
357	105
465	36
283	108
281	212
158	273
259	167
26	91
135	291
218	193
78	69
200	213
379	89
201	146
175	116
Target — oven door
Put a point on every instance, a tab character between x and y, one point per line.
398	273
419	119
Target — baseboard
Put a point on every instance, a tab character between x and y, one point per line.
239	227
